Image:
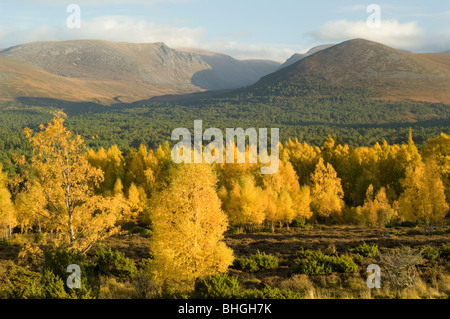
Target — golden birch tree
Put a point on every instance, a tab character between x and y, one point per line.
377	211
289	200
327	191
245	204
62	194
423	198
188	227
7	211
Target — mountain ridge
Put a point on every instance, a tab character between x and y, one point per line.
101	71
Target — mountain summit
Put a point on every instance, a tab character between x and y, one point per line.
355	63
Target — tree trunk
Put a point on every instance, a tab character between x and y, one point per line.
10	230
71	232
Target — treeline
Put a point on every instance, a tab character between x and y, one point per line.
354	116
371	186
353	119
333	183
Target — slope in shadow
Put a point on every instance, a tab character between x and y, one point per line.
69	107
226	72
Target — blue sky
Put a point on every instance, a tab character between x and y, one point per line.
244	29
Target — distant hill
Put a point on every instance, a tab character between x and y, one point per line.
394	74
97	70
110	72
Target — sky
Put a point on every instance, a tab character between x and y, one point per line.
244	29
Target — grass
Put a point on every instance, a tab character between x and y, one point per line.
433	280
360	243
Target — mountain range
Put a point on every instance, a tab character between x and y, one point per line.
112	72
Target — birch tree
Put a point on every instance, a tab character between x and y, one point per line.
62	193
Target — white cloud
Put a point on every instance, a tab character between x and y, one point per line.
407	35
122	28
244	51
130	29
110	28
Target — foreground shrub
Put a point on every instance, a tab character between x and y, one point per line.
257	262
57	262
114	263
444	251
366	250
431	253
217	287
21	283
318	263
298	222
140	230
53	287
18	282
358	259
397	223
343	264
